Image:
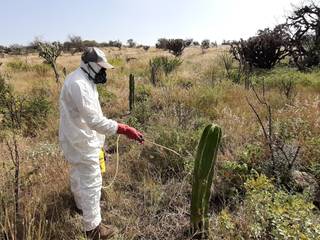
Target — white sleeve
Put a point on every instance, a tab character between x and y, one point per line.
85	103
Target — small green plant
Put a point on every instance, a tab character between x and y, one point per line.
226	60
163	64
105	96
269	213
117	61
170	64
202	179
37	108
155	70
18	65
143	92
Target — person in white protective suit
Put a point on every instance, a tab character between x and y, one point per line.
82	132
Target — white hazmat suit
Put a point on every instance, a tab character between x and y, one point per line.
82	134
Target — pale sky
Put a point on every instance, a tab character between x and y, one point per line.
143	20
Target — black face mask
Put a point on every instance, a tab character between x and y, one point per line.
100	77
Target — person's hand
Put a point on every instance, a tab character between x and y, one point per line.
130	132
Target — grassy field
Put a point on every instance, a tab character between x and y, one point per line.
253	197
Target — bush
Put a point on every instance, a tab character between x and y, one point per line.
268	213
162	64
117	44
304	40
183	141
264	50
162	43
30	112
36	110
230	183
18	66
205	44
131	43
169	64
143	92
176	46
105	96
116	62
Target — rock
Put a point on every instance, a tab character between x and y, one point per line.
306	183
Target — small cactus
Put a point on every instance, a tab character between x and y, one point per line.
131	92
202	179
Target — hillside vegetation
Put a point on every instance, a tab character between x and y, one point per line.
257	193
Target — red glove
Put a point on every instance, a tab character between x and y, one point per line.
130	132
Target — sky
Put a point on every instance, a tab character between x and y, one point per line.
142	20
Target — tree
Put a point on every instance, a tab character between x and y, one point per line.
214	44
76	44
196	43
117	44
205	44
304	27
50	52
162	43
16	49
90	43
264	50
131	43
145	47
176	46
188	42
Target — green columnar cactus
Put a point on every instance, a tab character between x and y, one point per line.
131	92
202	179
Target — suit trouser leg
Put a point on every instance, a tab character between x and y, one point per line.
86	183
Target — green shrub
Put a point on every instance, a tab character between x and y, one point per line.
166	65
105	96
18	65
36	110
269	213
116	62
27	113
140	115
143	92
251	153
207	99
231	178
183	141
311	151
170	64
41	69
277	76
